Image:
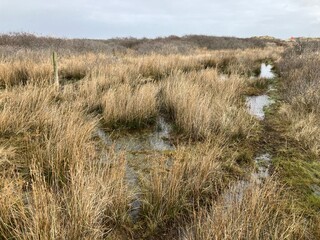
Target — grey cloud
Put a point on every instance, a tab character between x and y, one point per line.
151	18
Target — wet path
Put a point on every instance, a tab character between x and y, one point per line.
256	107
256	104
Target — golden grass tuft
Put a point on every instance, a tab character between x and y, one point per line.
175	186
304	127
57	188
254	212
203	105
130	106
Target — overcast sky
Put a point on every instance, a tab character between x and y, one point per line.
152	18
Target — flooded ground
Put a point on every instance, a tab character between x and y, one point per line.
263	163
139	147
142	146
256	104
261	173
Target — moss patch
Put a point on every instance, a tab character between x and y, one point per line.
302	175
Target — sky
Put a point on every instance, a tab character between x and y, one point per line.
102	19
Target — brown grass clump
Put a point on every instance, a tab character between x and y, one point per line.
202	105
36	68
130	106
57	188
256	213
176	186
89	207
304	127
44	131
23	71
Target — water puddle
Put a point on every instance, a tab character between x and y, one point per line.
263	163
132	181
137	147
256	105
266	71
104	137
236	192
271	88
223	77
157	140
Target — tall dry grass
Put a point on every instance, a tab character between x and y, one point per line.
130	106
202	104
301	91
54	182
53	185
174	187
258	212
36	67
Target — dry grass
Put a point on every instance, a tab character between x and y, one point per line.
54	182
202	105
176	186
36	68
254	212
301	93
304	127
53	186
130	106
92	204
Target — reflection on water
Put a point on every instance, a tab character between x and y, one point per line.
316	190
236	191
266	71
256	105
157	140
104	137
263	163
137	147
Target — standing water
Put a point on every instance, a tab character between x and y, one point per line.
266	71
137	146
263	163
256	104
236	191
